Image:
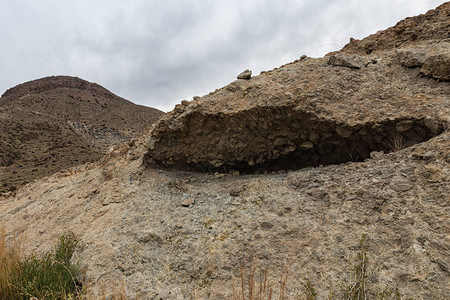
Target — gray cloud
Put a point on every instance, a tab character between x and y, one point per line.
157	53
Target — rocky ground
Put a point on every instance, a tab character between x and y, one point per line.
134	230
364	148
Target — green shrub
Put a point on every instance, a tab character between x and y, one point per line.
310	292
51	276
356	289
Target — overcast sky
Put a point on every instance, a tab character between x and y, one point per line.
159	52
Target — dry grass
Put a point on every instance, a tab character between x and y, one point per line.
22	278
396	143
51	276
357	288
119	293
250	289
10	258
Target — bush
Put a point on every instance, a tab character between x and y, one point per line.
51	276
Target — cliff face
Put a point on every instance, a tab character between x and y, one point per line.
58	122
360	141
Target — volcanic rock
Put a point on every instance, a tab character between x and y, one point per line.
345	61
434	60
188	202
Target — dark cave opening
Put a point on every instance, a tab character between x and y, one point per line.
274	139
336	150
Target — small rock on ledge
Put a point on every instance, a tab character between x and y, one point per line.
247	74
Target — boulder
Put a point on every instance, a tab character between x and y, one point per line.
411	58
434	60
437	66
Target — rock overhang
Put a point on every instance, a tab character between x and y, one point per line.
282	138
314	111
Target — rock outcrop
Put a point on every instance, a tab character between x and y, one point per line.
434	60
319	111
345	61
247	74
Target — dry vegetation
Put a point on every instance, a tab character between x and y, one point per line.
51	276
54	276
357	288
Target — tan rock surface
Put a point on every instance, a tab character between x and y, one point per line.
133	230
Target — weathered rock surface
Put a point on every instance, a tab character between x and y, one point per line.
345	61
434	60
133	230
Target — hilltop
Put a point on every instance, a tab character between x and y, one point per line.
55	123
287	169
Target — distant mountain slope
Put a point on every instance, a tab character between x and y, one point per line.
57	122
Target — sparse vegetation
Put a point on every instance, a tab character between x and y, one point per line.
310	292
118	294
51	276
9	262
357	288
261	291
396	143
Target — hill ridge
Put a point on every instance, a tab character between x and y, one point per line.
56	122
49	83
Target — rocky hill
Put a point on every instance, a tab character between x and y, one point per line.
296	165
55	123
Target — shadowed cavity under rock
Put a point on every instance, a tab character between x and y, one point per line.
281	138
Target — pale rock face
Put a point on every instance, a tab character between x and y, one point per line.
350	152
434	60
438	66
